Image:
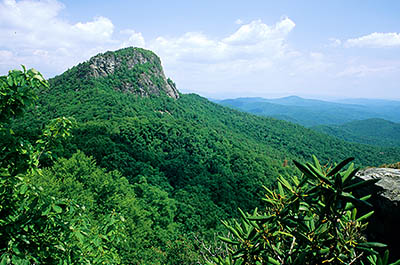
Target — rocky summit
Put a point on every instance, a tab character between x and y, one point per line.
131	70
138	71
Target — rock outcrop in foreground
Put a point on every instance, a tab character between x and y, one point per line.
388	184
385	224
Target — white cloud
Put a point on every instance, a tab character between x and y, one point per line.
375	40
255	59
363	70
33	29
5	57
135	39
34	33
256	31
239	21
256	54
251	42
100	29
28	14
334	42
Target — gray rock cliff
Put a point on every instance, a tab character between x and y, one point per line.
132	70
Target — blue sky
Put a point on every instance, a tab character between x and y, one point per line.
220	49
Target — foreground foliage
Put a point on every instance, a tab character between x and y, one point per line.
308	220
73	212
35	228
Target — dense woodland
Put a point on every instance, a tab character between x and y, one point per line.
371	131
126	179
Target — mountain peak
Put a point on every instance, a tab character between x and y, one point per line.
292	97
135	70
105	64
131	70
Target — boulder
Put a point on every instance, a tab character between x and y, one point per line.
384	224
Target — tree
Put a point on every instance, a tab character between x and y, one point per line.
35	228
308	220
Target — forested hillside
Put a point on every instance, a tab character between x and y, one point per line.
172	165
371	131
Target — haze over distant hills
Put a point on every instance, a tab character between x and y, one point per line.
366	121
312	112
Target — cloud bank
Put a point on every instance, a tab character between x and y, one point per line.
32	33
256	59
375	40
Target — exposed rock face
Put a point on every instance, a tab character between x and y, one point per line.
137	70
384	224
389	182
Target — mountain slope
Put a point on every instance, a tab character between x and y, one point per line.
370	131
310	112
206	158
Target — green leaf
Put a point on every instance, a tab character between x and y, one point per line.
324	250
295	181
79	236
340	166
353	214
360	184
395	263
385	257
229	241
273	261
365	216
369	250
10	81
349	177
57	208
366	197
316	163
23	189
350	198
260	218
5	259
244	216
281	192
372	245
286	234
286	184
349	206
319	175
60	247
305	171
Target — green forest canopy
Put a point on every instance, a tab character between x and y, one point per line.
158	169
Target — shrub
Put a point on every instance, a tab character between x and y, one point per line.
308	220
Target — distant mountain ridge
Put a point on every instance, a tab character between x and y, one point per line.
312	112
